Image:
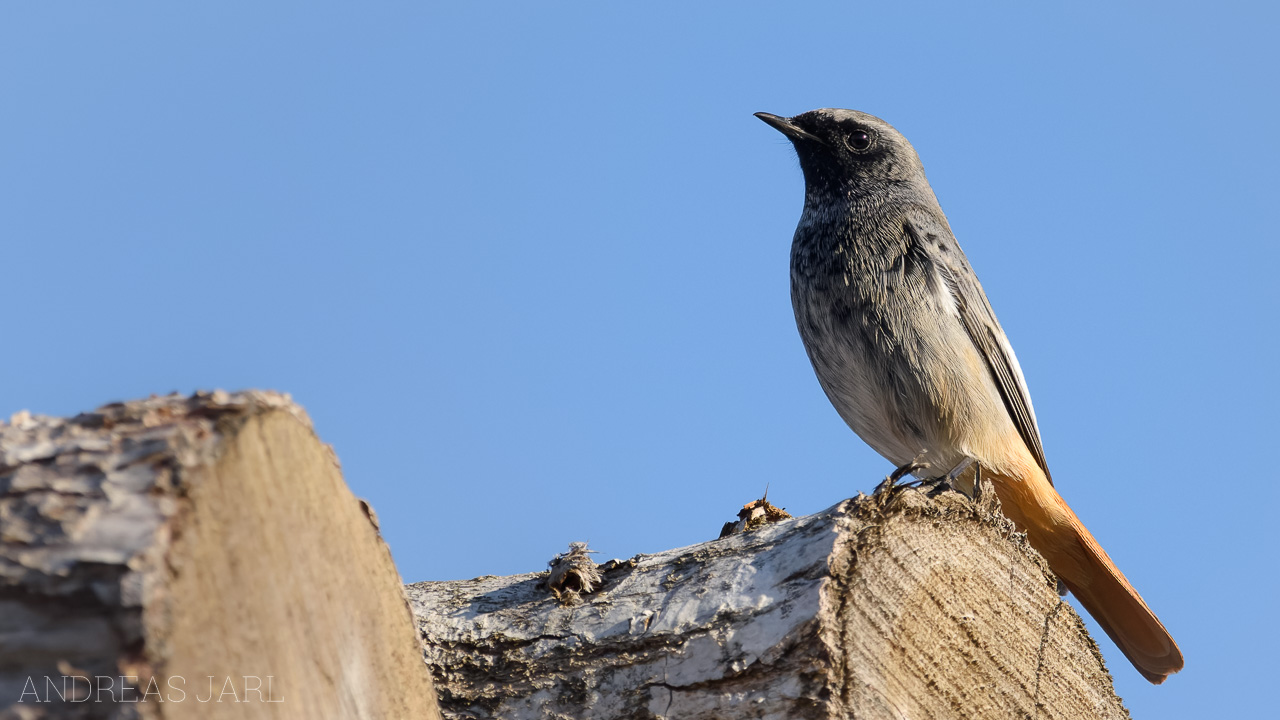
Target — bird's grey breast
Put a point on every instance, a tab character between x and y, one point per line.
878	322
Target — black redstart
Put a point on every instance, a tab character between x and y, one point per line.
908	349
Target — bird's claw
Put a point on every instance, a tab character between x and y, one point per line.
900	473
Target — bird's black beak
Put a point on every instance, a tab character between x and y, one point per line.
787	127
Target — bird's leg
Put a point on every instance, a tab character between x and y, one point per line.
959	469
900	473
948	481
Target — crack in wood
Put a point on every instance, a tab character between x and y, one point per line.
1044	641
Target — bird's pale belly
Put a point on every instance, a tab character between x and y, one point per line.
904	382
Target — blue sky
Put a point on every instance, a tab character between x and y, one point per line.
526	265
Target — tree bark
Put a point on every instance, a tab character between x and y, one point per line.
897	605
202	556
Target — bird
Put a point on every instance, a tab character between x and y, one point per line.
908	349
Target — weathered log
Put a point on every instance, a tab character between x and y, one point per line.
897	605
201	555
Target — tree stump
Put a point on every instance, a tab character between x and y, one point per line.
195	558
897	605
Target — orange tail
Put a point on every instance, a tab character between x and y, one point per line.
1075	556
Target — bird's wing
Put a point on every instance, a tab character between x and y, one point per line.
987	335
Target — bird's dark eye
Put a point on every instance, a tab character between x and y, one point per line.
858	140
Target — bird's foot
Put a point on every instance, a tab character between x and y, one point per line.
898	474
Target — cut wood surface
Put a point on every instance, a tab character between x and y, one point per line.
203	555
897	605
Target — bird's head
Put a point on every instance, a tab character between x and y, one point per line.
847	150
